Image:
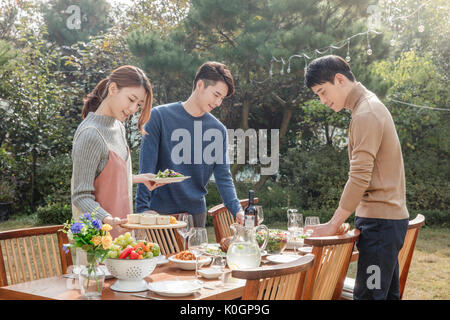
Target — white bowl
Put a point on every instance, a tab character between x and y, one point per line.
130	273
210	273
189	264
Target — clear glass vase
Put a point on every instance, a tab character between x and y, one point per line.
91	277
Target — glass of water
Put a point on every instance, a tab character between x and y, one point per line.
311	221
295	226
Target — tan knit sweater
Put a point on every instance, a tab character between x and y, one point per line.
376	183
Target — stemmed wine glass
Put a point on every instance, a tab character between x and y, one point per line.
198	243
260	214
295	226
311	221
185	231
219	263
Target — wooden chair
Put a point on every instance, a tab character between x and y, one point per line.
169	240
331	259
223	219
404	258
31	254
280	282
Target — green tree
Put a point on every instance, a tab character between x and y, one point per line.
70	21
34	119
246	36
423	132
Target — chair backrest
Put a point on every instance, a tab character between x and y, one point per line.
169	240
31	254
280	282
223	219
331	259
406	253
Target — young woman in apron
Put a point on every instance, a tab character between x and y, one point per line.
102	175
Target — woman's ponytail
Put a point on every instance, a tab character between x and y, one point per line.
95	98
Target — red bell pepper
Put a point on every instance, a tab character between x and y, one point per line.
125	253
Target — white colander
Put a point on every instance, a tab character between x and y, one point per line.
130	273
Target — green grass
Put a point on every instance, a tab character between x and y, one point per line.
429	274
19	222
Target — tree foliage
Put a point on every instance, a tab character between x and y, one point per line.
44	77
71	21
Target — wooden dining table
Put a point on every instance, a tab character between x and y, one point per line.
63	287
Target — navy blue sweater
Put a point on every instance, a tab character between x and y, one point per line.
193	146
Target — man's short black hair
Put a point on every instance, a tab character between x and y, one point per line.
211	72
324	69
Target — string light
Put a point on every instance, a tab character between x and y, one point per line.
346	42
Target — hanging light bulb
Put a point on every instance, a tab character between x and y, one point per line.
421	28
392	42
289	69
282	71
347	58
369	50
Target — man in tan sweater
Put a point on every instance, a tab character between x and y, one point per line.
375	189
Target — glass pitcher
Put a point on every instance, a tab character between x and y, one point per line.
244	251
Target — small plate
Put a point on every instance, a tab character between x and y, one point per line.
282	258
160	260
189	264
174	288
213	249
169	180
305	249
129	286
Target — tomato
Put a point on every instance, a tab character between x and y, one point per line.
133	255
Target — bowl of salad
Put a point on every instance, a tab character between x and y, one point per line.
277	241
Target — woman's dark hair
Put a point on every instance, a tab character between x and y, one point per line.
324	69
125	76
211	72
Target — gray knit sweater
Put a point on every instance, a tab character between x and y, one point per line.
90	155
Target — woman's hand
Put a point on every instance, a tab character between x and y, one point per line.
115	222
144	179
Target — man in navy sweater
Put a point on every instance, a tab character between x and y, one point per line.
185	137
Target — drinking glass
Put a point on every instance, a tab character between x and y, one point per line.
292	210
295	227
311	221
185	231
197	243
260	214
219	263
